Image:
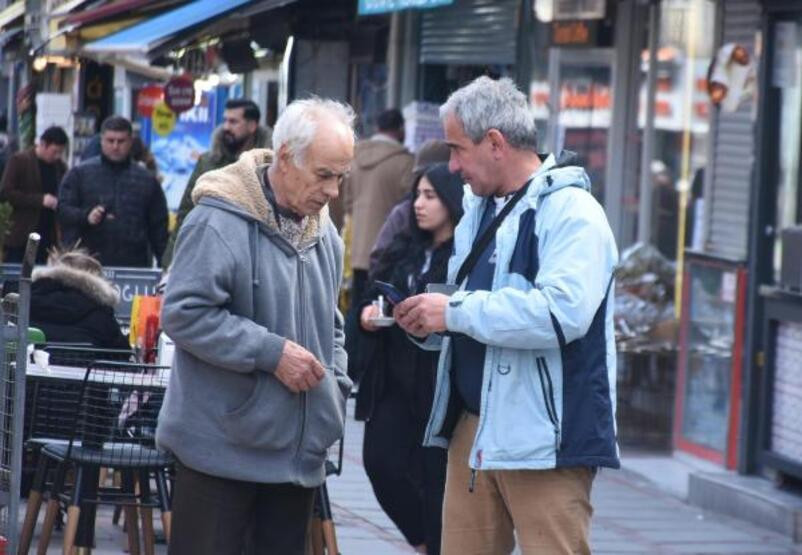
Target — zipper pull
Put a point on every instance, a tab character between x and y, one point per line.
557	440
473	481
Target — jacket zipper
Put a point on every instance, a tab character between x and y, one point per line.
302	336
547	387
483	410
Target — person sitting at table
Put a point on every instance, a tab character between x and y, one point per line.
71	301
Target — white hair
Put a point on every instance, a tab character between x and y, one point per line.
297	124
486	104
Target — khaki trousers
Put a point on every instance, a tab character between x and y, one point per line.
548	510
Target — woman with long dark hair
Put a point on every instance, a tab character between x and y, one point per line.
395	395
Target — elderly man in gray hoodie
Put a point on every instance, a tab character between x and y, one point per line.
258	386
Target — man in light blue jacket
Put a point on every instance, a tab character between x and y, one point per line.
525	396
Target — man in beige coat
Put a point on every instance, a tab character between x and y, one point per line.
380	177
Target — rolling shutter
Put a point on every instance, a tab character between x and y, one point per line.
734	151
470	32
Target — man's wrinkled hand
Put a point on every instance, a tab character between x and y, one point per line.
298	369
422	314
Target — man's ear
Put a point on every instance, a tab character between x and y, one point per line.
252	126
283	158
498	143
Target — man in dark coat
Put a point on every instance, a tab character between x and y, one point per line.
115	207
239	132
30	184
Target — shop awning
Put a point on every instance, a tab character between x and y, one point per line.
106	11
146	36
12	12
9	34
67	7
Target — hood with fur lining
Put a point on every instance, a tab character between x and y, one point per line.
238	184
95	287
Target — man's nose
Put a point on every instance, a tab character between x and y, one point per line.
332	191
453	165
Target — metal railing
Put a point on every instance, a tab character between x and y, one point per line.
14	317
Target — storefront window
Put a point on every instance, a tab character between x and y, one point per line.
787	73
681	110
706	399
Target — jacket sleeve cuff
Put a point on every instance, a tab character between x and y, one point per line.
456	319
270	355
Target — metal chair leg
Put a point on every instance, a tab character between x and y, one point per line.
52	511
165	503
33	506
146	513
326	521
131	524
73	513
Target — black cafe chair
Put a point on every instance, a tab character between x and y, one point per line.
49	403
113	424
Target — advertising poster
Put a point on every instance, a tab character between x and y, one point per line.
178	147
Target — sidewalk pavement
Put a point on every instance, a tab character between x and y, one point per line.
631	516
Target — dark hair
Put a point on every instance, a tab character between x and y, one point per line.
250	110
116	123
54	135
406	253
390	120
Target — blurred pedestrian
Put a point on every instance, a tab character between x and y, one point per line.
71	301
114	206
239	132
395	395
30	184
379	179
525	383
258	387
398	220
141	154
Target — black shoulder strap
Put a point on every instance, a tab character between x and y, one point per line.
480	244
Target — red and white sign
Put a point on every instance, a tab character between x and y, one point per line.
179	94
147	98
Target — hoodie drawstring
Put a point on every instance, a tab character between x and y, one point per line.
254	239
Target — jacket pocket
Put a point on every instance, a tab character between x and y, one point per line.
547	387
267	419
326	416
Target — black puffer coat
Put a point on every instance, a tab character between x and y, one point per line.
135	226
71	305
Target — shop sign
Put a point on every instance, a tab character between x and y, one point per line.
163	119
579	9
574	33
179	94
147	98
370	7
178	151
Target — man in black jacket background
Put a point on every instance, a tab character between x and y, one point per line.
116	208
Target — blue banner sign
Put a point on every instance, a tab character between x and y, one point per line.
370	7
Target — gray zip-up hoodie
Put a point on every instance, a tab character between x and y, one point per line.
237	291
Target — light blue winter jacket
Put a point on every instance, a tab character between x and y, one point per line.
548	392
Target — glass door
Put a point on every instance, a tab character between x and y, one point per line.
582	96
